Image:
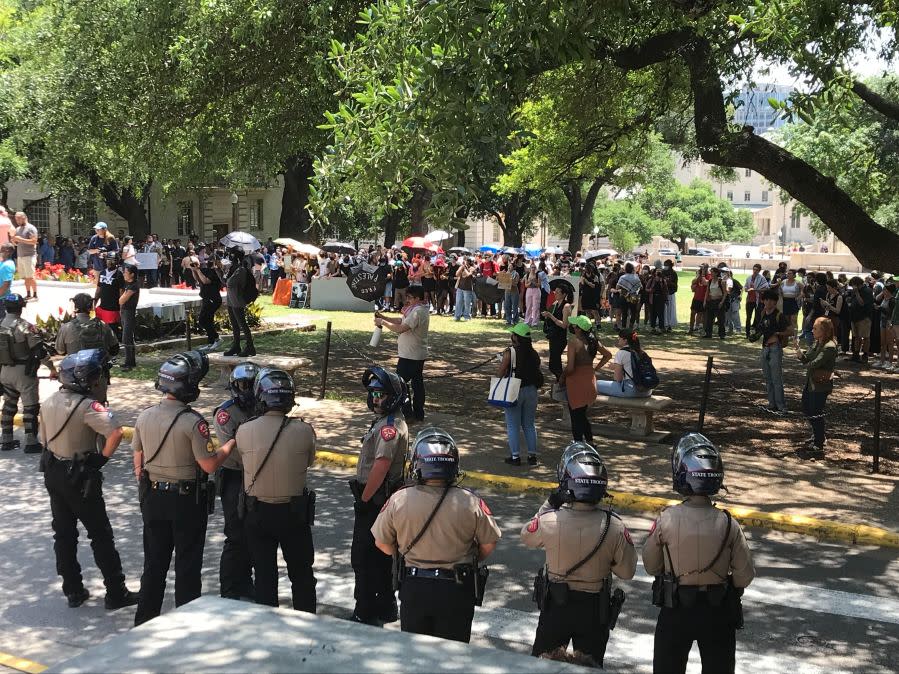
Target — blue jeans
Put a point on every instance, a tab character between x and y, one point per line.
772	368
510	307
621	389
463	304
521	418
812	406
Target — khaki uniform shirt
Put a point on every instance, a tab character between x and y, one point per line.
25	336
81	435
69	339
284	474
570	533
227	418
187	441
388	438
693	531
462	523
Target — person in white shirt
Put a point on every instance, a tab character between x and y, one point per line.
412	347
623	385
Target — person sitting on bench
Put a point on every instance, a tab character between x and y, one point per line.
623	385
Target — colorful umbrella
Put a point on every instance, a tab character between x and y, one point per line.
438	235
489	249
421	243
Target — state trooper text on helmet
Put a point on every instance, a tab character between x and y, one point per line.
242	382
393	389
696	466
273	391
180	375
434	456
582	474
81	371
14	303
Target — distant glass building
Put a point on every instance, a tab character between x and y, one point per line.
753	108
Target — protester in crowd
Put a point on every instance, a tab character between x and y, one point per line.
699	287
209	279
657	297
101	242
671	279
532	296
555	326
412	348
716	292
511	297
629	289
129	252
886	302
732	302
46	253
464	291
591	292
400	282
790	291
520	418
441	276
774	331
66	255
578	377
623	384
875	283
543	277
820	361
755	284
275	264
128	313
861	304
82	256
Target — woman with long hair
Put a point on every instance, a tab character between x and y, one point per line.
820	361
520	418
555	326
790	290
580	382
623	385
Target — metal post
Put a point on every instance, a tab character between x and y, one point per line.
705	393
325	361
187	330
876	466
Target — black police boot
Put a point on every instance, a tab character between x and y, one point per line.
121	598
9	445
34	448
370	621
78	597
389	614
249	350
234	350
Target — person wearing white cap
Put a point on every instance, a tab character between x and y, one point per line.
101	242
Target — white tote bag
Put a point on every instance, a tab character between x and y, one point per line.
504	390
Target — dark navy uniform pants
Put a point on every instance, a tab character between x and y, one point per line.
576	620
373	570
235	569
678	628
437	606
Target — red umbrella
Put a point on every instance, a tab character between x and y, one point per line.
421	243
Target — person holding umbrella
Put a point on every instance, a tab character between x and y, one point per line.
241	291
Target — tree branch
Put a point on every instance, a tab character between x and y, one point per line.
880	103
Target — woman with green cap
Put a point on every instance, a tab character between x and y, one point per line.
578	377
521	416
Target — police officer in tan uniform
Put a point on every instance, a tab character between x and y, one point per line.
173	456
379	473
21	354
441	532
276	451
701	561
84	332
235	567
585	542
72	423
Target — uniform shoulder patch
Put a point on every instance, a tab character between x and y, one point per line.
485	508
222	418
388	433
655	523
98	407
203	429
533	525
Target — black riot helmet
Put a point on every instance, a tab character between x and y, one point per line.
273	391
13	303
181	375
242	382
582	474
81	371
434	456
83	303
393	389
696	466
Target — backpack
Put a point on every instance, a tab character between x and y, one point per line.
90	334
736	290
6	340
645	375
250	291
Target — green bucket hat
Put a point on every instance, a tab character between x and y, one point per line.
582	322
521	329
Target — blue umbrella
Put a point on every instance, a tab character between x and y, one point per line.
489	249
509	250
533	250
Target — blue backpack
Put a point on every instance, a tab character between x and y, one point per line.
645	375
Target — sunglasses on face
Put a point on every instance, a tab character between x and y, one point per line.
377	395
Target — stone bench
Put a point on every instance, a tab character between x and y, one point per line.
641	410
226	364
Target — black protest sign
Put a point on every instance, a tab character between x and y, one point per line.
367	282
487	290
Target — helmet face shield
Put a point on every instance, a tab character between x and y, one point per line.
241	383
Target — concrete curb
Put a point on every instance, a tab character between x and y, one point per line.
858	534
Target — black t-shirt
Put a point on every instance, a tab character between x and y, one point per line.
771	323
861	310
211	291
109	285
400	277
820	294
134	286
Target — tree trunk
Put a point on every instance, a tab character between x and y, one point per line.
4	194
390	223
873	244
513	219
421	197
460	237
581	209
295	219
130	206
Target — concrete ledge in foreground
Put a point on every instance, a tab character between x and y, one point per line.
220	635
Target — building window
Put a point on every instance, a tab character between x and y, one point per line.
82	216
748	173
794	219
766	226
765	196
730	195
38	212
254	214
496	232
747	196
185	218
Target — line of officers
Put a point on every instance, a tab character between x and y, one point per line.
415	529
